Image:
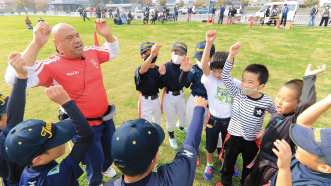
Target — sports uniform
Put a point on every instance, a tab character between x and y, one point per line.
174	101
194	76
179	172
32	138
10	172
148	85
82	79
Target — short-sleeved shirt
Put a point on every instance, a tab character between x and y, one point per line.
64	174
304	176
220	100
180	172
149	82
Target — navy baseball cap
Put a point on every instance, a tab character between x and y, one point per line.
200	48
316	141
145	46
31	138
180	46
3	104
136	143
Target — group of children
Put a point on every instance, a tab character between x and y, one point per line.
235	110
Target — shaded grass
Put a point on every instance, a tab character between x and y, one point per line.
286	53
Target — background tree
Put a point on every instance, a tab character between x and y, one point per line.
181	3
19	4
198	3
41	5
101	4
311	3
163	2
148	2
110	2
221	2
244	3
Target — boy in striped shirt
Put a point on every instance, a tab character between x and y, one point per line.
248	111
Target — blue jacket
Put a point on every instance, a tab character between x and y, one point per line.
222	10
314	11
285	11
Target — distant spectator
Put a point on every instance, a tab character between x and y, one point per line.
147	8
243	10
285	10
176	12
146	16
266	14
325	16
213	10
28	23
274	15
162	16
90	11
232	12
312	16
222	10
117	19
80	10
123	18
110	10
189	11
167	11
40	19
117	11
154	18
129	17
98	13
85	15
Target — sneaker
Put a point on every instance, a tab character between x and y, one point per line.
184	131
198	161
110	173
208	172
236	171
173	143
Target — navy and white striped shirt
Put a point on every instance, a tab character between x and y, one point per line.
247	113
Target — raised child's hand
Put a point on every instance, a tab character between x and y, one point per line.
283	153
155	49
315	72
162	70
15	60
200	101
186	65
57	94
211	36
234	49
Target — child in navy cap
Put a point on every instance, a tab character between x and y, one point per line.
135	147
174	102
291	100
148	80
11	113
311	164
38	143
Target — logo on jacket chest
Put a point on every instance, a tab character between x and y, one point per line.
72	73
94	63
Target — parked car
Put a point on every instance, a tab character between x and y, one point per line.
139	10
203	11
183	10
121	9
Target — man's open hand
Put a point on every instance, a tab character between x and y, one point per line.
15	60
57	94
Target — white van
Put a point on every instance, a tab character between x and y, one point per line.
293	7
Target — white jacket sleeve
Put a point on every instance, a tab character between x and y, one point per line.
113	49
33	79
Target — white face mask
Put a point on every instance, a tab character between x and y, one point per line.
199	63
176	59
248	91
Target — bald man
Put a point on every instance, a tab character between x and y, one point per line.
77	69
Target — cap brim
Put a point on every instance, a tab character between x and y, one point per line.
64	132
304	138
199	56
179	49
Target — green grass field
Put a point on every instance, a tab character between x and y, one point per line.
286	53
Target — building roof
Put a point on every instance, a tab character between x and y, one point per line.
63	2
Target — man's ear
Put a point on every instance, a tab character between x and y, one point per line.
38	161
324	168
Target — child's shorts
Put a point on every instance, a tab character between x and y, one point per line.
213	127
